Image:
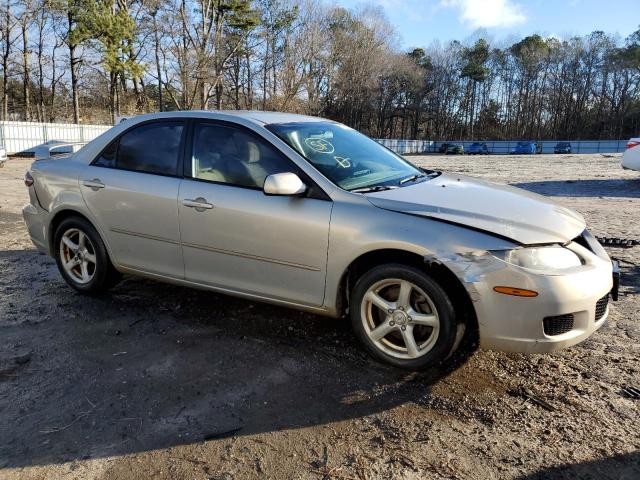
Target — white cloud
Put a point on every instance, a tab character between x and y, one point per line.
488	13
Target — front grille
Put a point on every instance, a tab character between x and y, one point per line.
558	325
601	307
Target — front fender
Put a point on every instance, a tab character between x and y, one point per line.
357	229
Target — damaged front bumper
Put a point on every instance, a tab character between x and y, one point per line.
576	301
615	290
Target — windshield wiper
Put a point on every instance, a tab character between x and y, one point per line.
411	178
373	188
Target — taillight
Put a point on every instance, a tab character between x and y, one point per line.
28	179
632	143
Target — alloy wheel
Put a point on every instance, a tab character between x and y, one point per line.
78	256
400	318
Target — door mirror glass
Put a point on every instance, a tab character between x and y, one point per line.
284	184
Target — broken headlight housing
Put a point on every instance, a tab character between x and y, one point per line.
550	258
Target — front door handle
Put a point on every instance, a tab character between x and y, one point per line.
200	204
94	184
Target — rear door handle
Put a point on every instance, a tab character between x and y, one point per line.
94	184
200	204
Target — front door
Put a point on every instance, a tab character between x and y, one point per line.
233	235
132	190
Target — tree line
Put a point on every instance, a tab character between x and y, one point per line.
92	60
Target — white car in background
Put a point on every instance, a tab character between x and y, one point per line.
631	156
3	156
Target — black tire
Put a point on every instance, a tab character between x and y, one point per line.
446	340
105	275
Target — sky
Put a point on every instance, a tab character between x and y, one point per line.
421	22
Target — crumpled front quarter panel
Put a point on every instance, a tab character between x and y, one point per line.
358	228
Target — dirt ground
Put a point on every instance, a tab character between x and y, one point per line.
159	381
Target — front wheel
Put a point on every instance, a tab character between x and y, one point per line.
82	257
403	317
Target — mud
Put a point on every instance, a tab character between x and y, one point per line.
154	380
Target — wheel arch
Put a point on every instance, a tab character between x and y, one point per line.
58	218
64	213
451	284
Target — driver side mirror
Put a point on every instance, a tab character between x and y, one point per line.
284	184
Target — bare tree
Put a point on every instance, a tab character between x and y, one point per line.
114	56
8	24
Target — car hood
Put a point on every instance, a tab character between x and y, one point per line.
510	212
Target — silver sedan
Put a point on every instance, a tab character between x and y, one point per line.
310	214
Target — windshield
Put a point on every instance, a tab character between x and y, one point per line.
347	158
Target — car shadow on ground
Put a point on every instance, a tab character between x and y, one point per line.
621	188
152	365
624	466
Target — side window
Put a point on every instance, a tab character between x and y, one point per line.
150	148
108	156
231	155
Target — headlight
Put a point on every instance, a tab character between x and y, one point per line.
540	258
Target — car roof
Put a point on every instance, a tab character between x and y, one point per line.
255	116
248	118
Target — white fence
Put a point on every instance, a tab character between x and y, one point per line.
24	137
407	147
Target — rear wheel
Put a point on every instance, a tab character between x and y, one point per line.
82	257
403	317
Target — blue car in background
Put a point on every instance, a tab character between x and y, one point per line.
478	148
527	148
562	147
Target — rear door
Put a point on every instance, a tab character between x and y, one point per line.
236	237
132	188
